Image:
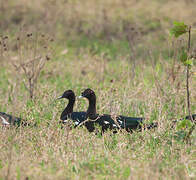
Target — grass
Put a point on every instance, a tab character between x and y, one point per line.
96	54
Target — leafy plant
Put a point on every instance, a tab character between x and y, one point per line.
179	29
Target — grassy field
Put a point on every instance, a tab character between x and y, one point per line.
120	49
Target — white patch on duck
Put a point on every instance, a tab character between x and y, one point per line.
106	122
120	121
4	121
65	121
76	123
114	125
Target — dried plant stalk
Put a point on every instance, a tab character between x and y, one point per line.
31	52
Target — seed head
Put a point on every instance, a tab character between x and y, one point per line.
47	58
5	37
29	34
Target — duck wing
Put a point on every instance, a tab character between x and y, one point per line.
76	117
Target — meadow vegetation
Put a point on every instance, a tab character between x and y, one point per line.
120	49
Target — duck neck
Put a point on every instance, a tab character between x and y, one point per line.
69	108
91	112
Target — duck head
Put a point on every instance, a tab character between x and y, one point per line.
69	94
89	94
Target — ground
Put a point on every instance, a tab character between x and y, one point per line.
124	52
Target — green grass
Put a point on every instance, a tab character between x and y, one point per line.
85	56
47	151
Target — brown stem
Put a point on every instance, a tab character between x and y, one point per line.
187	75
187	91
187	88
31	88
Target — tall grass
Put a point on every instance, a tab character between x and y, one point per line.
91	49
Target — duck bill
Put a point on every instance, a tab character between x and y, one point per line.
79	97
60	97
